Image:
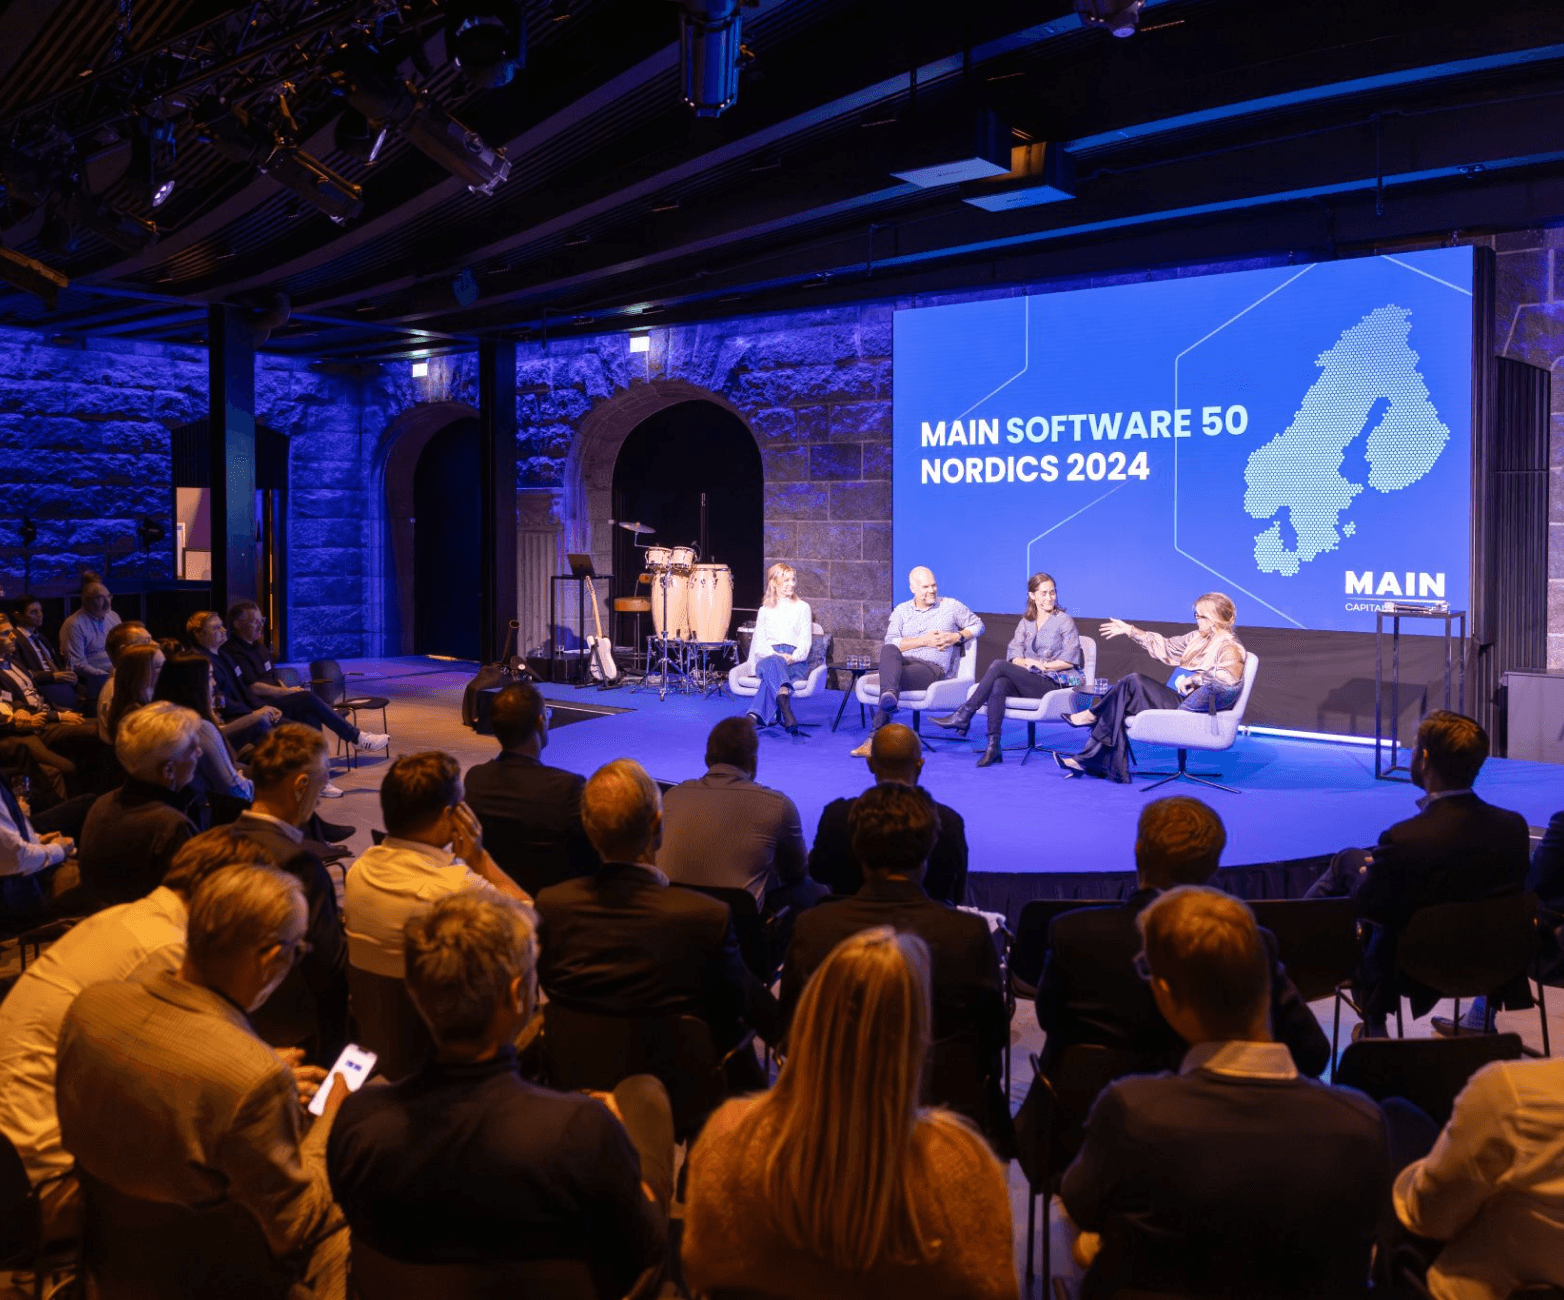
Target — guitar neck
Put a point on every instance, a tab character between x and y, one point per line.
597	618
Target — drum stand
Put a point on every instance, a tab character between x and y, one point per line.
666	673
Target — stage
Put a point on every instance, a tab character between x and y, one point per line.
1032	833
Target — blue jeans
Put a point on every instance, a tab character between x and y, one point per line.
775	672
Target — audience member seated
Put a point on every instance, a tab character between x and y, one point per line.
895	755
136	670
166	1094
421	802
542	804
893	829
1492	1189
58	739
36	853
186	680
127	634
252	663
245	719
1457	848
131	834
836	1183
131	941
724	830
467	1163
52	675
1545	878
84	633
1091	991
622	943
1234	1177
310	1008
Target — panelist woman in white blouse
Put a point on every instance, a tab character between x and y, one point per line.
780	650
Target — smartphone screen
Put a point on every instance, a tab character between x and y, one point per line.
354	1066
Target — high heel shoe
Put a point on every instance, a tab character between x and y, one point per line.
1069	766
992	753
958	721
1085	718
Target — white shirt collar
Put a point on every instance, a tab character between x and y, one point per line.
442	857
1428	800
1240	1060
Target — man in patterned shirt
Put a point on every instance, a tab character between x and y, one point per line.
922	645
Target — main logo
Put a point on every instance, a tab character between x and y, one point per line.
1420	586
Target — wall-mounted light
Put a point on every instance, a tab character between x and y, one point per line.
640	343
420	369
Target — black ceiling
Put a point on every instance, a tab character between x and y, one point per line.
1224	127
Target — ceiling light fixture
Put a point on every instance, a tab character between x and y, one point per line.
355	137
710	46
487	40
237	136
152	152
1121	17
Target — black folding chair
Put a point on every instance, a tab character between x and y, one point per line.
1048	1138
388	1023
587	1050
329	682
22	1244
763	940
1428	1072
518	852
1317	942
1028	953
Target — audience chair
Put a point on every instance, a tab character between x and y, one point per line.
22	1245
1050	707
743	683
145	1250
388	1023
1317	941
587	1050
329	682
289	677
763	940
1473	949
376	1276
1050	1140
941	697
514	848
1428	1072
1184	730
1029	953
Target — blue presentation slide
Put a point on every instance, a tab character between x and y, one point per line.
1298	437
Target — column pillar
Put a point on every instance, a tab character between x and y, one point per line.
231	429
497	417
540	553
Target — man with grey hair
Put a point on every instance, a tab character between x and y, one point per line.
166	1095
622	942
131	834
922	645
84	634
465	1161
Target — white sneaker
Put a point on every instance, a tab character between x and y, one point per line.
329	791
370	741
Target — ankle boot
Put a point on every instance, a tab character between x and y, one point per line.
992	753
785	711
958	721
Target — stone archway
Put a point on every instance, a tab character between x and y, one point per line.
393	464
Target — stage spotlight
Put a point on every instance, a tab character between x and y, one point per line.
1121	17
357	138
32	277
152	148
237	136
124	230
488	40
709	50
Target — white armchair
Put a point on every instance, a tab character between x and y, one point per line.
743	682
1184	730
1052	706
941	697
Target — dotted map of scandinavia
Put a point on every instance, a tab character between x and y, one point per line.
1299	470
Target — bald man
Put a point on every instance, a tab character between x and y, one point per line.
922	644
83	637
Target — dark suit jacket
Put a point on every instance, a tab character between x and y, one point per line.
129	838
621	942
312	1001
831	861
540	841
237	700
1458	848
1205	1184
45	669
1090	993
970	1021
1545	878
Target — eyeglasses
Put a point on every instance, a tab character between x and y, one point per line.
1142	966
548	713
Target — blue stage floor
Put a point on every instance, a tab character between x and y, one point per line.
1298	798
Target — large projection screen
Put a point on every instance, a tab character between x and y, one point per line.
1298	437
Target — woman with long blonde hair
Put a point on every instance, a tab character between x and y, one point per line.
779	650
836	1184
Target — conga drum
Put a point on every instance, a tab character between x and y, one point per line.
671	604
681	557
711	601
657	557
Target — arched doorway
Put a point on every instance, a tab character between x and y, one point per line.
665	465
447	543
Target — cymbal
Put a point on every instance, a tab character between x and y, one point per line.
632	527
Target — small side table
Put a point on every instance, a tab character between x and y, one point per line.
855	673
1392	770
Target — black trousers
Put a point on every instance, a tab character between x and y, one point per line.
1107	751
897	674
1002	680
308	708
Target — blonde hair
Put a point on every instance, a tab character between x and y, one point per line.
152	735
1223	612
774	576
837	1129
619	809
